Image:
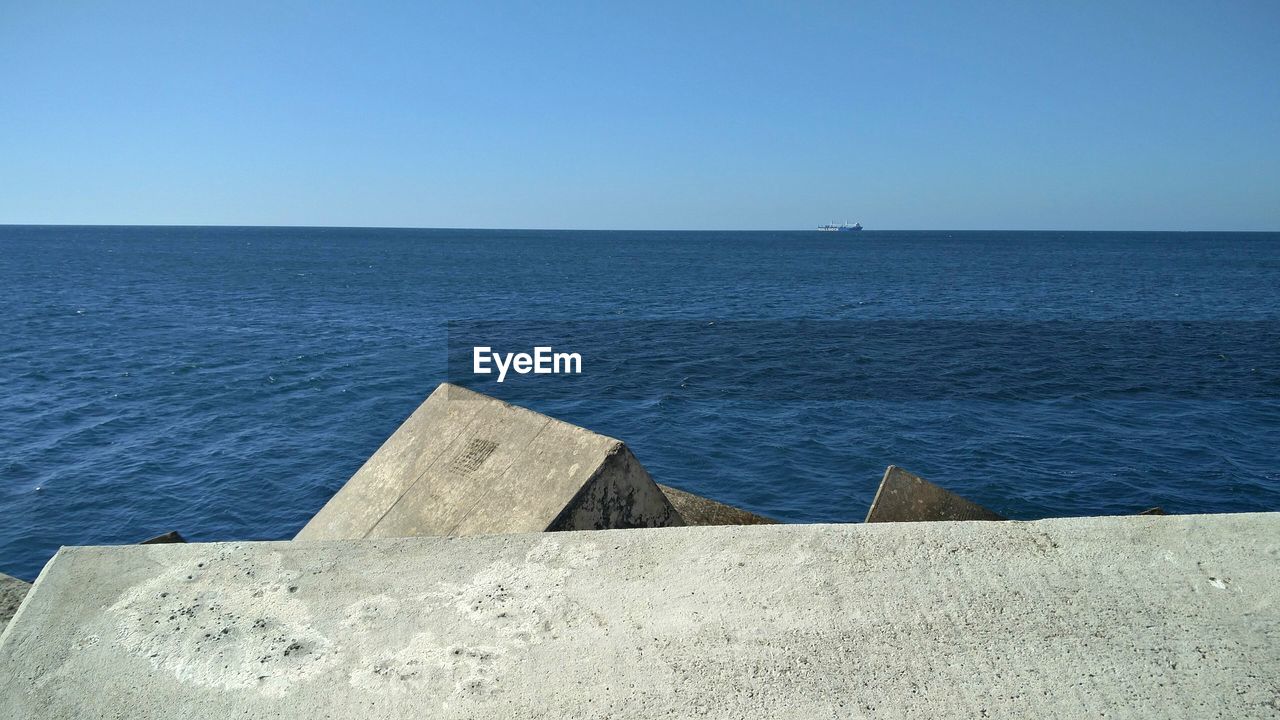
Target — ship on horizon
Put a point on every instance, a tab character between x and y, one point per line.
842	227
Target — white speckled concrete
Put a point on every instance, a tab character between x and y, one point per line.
1137	617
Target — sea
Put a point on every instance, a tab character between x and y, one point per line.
224	382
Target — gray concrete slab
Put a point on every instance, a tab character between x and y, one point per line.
904	497
12	591
699	510
468	464
1121	617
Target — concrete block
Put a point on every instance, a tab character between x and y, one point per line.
698	510
904	497
1119	617
170	537
12	591
469	464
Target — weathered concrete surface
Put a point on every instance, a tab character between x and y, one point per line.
468	464
699	510
1124	617
12	590
904	497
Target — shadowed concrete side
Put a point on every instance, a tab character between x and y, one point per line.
173	536
904	497
468	464
698	510
12	590
1120	617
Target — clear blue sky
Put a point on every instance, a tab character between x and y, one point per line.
702	115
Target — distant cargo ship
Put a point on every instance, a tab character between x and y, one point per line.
843	227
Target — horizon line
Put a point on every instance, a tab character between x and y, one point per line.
633	230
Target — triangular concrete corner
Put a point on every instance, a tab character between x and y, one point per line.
904	497
468	464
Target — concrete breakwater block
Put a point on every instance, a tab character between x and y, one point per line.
467	464
698	510
173	536
904	497
1174	617
12	590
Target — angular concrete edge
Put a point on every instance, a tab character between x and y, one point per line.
465	463
13	591
620	495
173	536
699	510
372	491
905	497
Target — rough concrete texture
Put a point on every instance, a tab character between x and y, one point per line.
12	590
468	464
1137	617
904	497
698	510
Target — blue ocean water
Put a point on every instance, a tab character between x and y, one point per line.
224	382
